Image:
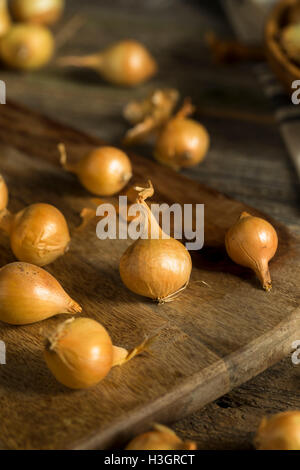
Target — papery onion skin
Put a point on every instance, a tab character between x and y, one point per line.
252	242
5	21
27	47
280	432
39	234
104	171
156	268
3	194
80	354
37	11
162	438
29	294
182	143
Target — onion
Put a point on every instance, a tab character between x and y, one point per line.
126	63
155	268
29	294
3	194
38	234
104	171
280	432
27	47
37	11
182	142
5	21
252	242
80	353
161	438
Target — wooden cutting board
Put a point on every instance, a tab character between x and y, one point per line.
222	331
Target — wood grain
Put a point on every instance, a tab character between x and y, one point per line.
215	337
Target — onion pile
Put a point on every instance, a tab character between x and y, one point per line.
37	11
28	294
158	268
252	242
104	171
161	438
38	234
126	63
27	47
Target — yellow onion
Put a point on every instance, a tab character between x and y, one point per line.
182	142
252	242
29	294
125	63
104	171
280	432
158	268
290	41
27	47
3	194
5	21
38	234
161	438
37	11
80	353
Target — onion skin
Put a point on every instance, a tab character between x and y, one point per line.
252	242
29	294
182	143
280	432
3	194
125	63
5	21
27	47
80	354
156	268
37	11
162	438
104	171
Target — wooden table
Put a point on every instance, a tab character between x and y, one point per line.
247	159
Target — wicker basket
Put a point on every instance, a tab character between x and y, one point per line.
285	69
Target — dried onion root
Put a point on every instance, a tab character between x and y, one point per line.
158	268
161	438
150	114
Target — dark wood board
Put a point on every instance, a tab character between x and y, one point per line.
217	336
